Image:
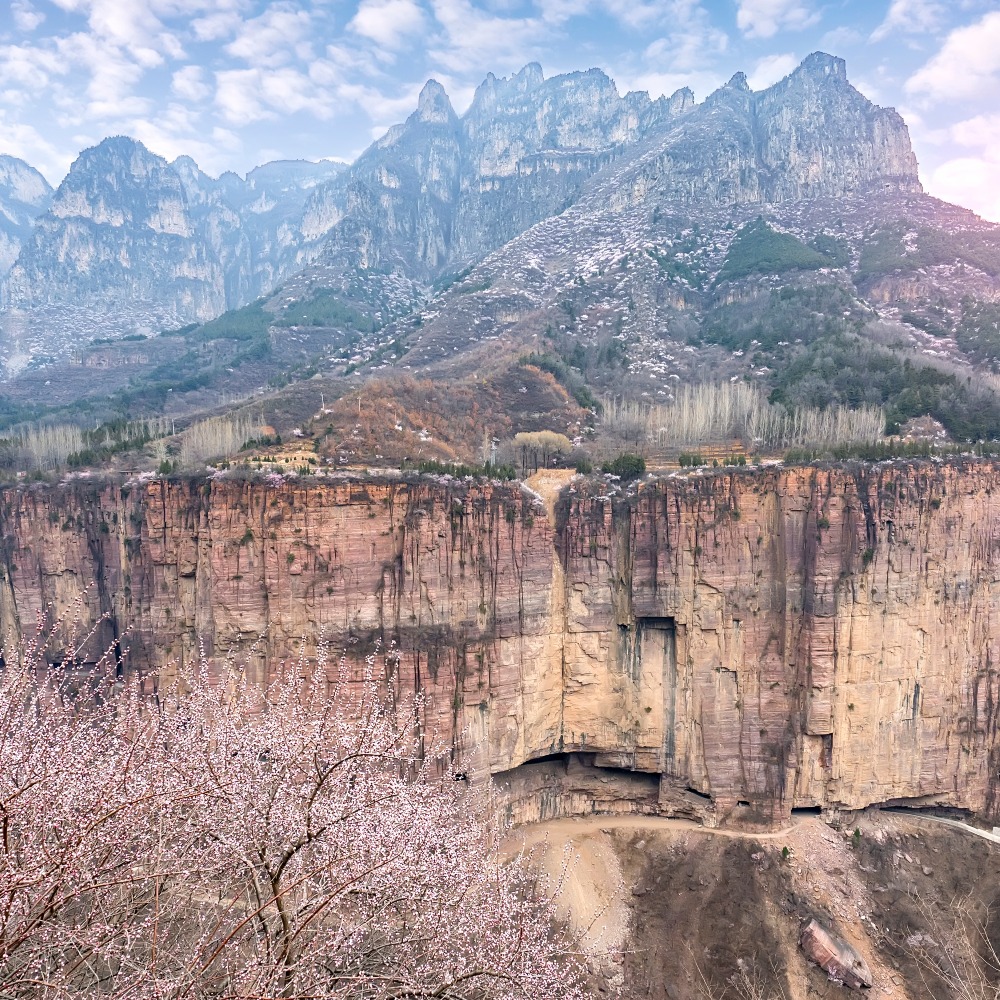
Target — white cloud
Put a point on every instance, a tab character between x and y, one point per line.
113	75
765	18
472	38
393	24
249	95
27	143
689	43
134	26
274	38
837	39
771	69
177	131
968	181
911	16
30	65
189	83
969	164
639	14
237	96
966	66
26	17
981	132
683	52
214	27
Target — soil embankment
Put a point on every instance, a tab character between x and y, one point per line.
708	913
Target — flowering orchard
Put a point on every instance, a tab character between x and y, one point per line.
215	839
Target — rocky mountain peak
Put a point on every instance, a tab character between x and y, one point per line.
196	183
433	105
529	77
680	101
822	136
438	192
24	194
821	65
120	153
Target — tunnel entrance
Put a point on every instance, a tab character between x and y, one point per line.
573	784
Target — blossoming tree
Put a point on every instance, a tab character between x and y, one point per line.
208	838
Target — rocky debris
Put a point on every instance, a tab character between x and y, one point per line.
834	956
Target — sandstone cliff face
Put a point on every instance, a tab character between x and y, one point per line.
727	646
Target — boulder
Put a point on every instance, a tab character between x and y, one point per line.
834	956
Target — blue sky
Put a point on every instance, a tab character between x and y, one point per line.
236	82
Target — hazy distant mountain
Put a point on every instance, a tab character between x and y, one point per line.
131	243
550	206
24	195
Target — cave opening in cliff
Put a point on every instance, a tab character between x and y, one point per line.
575	783
575	761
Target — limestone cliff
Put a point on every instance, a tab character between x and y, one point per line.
24	195
730	646
131	243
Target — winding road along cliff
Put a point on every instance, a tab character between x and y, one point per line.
726	646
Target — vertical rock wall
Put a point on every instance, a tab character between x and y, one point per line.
730	645
835	634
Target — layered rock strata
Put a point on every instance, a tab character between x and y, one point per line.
731	646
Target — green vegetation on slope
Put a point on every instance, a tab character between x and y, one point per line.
325	308
906	247
248	323
759	249
978	333
781	316
847	369
832	247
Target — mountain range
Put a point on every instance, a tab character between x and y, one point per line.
639	241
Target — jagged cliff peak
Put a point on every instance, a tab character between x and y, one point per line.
115	150
114	181
434	105
529	77
738	81
24	194
821	65
494	89
680	100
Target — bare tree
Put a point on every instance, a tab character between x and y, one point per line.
710	413
955	951
748	982
217	437
211	838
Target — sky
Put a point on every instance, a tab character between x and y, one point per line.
234	83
